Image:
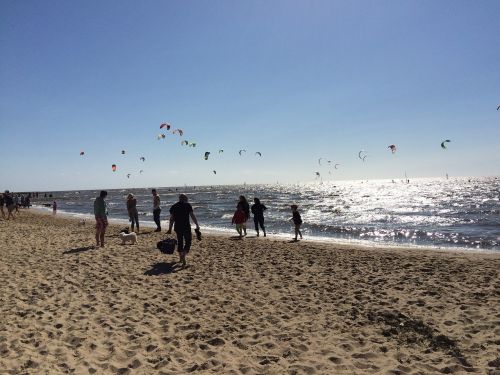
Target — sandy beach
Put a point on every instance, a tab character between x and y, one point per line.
256	306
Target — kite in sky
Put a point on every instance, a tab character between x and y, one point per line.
180	131
128	175
360	153
123	152
82	153
215	172
206	155
239	152
393	148
184	143
443	146
113	167
165	125
142	158
221	151
161	136
258	153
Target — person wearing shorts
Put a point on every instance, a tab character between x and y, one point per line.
101	219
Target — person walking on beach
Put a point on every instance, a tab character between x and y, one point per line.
297	220
156	210
54	208
239	219
101	219
9	203
243	204
133	214
258	215
180	213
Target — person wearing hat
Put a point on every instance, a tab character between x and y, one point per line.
133	214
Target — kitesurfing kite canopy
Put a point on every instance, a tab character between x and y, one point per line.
443	143
113	167
179	131
206	155
393	148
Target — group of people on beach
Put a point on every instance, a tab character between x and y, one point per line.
12	202
180	215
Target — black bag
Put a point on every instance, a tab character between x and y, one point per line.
167	246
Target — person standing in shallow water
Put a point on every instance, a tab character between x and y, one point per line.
258	215
156	210
243	204
101	218
180	213
133	214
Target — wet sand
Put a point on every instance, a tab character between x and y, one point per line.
255	306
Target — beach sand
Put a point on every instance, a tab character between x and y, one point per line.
256	306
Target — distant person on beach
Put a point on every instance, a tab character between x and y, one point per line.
239	218
9	203
180	213
16	202
243	204
156	210
2	202
54	208
258	215
133	214
297	220
101	218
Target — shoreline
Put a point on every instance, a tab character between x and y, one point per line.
363	244
240	307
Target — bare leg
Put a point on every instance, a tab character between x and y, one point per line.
102	238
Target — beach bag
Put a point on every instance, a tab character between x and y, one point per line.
167	246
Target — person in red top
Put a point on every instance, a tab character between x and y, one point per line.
239	218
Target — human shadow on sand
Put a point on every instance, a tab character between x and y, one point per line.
79	250
163	268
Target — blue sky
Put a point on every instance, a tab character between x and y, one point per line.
295	80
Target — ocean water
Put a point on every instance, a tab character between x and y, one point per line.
456	213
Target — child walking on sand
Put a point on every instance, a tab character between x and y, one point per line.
239	218
297	220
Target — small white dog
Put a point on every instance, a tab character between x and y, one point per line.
126	237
